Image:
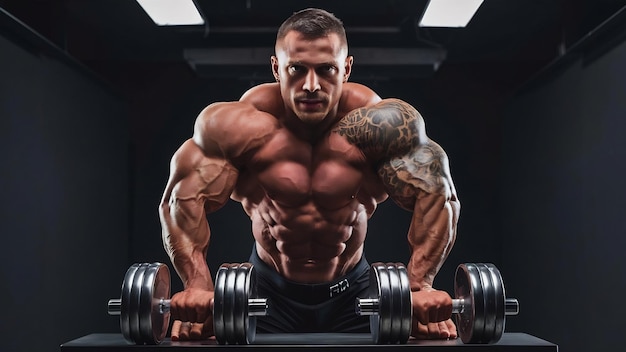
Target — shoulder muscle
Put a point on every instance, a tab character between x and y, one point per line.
385	129
231	129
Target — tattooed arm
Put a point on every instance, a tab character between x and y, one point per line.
416	174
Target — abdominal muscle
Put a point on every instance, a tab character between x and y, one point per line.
306	243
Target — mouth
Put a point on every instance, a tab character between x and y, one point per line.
310	104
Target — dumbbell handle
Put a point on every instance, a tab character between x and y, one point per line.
256	306
370	306
511	306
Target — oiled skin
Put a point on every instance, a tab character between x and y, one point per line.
310	184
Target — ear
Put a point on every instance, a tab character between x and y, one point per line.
348	68
274	61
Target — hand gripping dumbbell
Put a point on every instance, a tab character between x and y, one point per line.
480	304
144	306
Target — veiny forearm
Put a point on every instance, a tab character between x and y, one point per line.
186	237
431	236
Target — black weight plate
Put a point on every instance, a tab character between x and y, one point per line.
490	303
134	304
218	304
407	304
127	285
500	296
395	303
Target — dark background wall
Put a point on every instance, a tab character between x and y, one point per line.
84	166
65	197
563	203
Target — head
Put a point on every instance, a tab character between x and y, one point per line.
311	64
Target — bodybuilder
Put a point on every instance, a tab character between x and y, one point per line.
309	157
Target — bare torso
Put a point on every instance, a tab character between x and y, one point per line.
309	199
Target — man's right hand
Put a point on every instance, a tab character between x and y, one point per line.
192	311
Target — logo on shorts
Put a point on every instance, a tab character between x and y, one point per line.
339	287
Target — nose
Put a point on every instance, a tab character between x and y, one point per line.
311	82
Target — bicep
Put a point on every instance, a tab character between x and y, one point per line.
198	183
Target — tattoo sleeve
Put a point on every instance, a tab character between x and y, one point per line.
392	133
416	174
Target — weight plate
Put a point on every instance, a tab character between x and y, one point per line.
161	317
154	322
407	304
500	297
127	285
380	324
470	322
218	304
250	321
478	298
490	303
145	305
395	303
240	304
229	305
463	291
134	304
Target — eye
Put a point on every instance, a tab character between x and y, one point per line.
293	69
327	69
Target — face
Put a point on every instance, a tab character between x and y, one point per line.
311	74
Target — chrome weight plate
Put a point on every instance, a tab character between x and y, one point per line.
153	320
406	300
490	303
380	324
500	302
218	304
240	304
246	332
250	320
395	303
229	304
467	286
127	285
134	304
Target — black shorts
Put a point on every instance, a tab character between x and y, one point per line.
296	307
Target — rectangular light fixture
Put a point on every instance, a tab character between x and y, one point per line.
449	13
172	12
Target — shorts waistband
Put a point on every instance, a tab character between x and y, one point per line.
308	293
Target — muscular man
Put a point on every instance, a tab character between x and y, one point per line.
309	157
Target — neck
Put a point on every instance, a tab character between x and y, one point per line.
309	132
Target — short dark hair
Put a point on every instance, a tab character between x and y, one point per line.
312	24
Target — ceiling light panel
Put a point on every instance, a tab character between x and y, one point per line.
172	12
449	13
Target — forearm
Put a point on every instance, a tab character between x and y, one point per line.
431	236
186	241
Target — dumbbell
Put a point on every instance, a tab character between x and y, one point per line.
144	305
480	304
